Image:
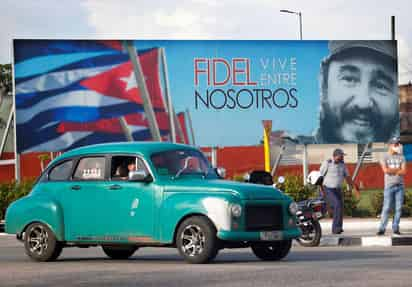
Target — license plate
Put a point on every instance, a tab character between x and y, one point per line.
271	235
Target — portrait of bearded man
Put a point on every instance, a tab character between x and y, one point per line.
359	101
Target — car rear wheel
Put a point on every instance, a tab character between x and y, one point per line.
119	251
41	243
272	251
196	240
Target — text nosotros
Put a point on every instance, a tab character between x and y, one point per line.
245	99
242	92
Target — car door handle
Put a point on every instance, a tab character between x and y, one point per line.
76	187
115	187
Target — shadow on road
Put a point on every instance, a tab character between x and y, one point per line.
227	257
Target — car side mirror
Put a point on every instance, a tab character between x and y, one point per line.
140	176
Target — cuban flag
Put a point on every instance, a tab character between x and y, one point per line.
71	93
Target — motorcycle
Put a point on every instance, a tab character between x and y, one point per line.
309	211
308	215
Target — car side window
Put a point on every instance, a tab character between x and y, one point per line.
61	171
122	165
90	168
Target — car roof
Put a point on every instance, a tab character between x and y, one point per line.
143	148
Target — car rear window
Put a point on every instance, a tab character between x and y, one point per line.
90	168
61	171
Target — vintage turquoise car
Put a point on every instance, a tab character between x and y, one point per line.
124	196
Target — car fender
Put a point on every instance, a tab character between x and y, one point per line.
179	206
36	208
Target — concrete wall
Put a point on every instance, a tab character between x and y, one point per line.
239	160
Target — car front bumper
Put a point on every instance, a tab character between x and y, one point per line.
285	234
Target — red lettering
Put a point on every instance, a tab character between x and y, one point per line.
227	71
237	71
244	70
198	70
249	82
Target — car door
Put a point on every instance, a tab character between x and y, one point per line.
133	202
85	201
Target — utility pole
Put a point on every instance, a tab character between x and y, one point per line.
393	28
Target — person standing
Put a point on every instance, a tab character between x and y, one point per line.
394	167
334	172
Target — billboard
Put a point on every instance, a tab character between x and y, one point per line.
72	92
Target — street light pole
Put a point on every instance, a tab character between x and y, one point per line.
305	162
300	20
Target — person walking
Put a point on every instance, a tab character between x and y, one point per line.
334	172
393	166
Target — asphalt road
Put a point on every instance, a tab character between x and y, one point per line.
324	266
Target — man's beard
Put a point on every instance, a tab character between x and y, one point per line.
334	129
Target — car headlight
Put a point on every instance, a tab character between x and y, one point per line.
236	210
293	208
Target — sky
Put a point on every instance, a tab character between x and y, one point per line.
207	19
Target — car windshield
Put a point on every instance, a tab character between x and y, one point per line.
181	162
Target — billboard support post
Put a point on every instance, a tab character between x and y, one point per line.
214	156
6	132
277	161
17	171
141	83
360	161
305	163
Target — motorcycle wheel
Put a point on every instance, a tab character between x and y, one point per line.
312	238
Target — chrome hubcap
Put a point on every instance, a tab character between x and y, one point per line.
38	239
193	240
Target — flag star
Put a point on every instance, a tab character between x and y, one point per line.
130	81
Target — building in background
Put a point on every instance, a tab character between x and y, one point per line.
405	99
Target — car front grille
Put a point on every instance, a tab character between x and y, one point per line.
264	217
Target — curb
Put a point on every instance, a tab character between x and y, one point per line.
363	241
366	241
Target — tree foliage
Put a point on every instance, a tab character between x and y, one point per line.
5	78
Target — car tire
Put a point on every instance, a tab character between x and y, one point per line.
272	251
196	240
119	251
40	243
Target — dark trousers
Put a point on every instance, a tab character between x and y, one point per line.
334	198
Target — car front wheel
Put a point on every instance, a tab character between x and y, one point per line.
40	243
272	251
118	251
196	240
